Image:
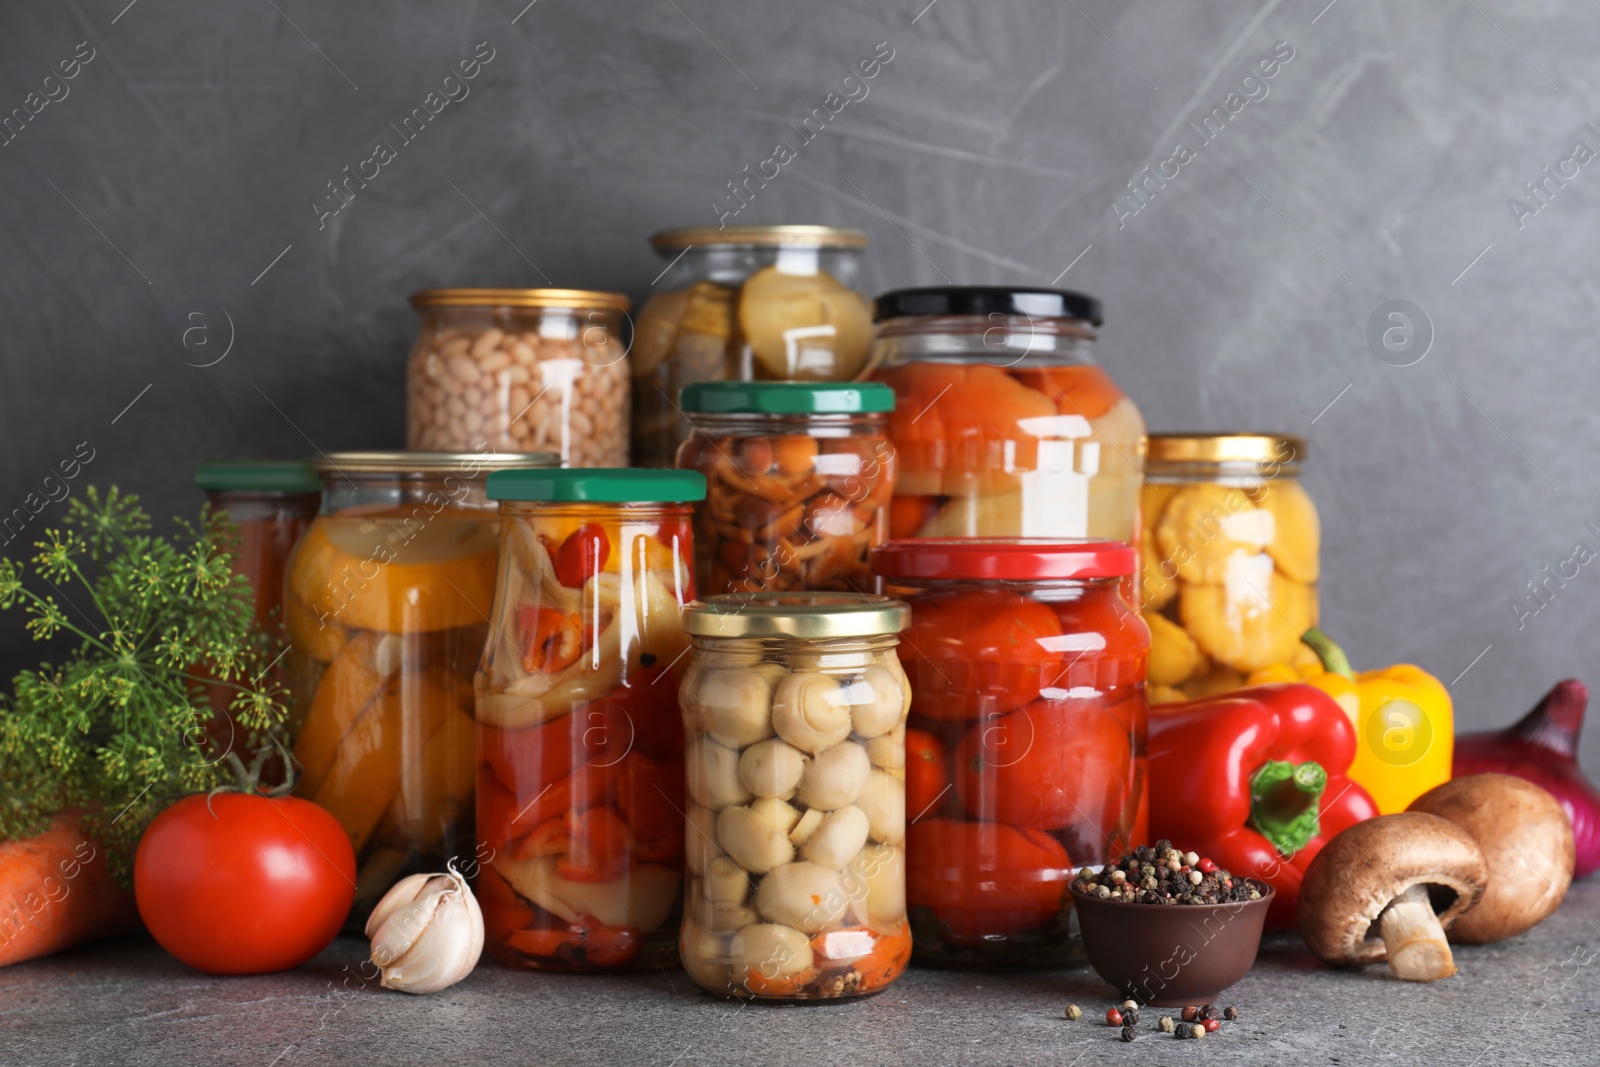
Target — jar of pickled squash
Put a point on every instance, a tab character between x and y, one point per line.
271	502
1229	557
387	604
520	370
580	754
798	478
744	303
1025	755
794	706
1004	424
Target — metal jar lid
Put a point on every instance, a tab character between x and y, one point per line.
758	237
466	464
576	299
1228	447
804	616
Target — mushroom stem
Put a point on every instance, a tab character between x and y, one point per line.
1418	951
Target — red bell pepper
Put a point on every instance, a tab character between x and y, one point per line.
1256	780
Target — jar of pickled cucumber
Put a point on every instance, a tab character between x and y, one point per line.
1229	556
794	706
1025	755
580	752
744	303
387	604
798	479
1004	425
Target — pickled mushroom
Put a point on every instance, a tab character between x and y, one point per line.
770	950
810	711
876	881
732	705
751	841
714	775
842	834
772	768
807	896
726	882
835	777
700	839
884	801
878	701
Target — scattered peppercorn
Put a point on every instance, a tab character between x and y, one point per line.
1212	1026
1196	1030
1113	1017
1181	1032
1230	1013
1126	1004
1209	1011
1128	1032
1074	1012
1165	1024
1131	1016
1190	1013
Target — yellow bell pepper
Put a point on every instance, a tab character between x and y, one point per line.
1404	720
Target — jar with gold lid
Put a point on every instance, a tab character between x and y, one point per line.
1229	559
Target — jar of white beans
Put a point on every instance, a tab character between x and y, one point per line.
520	370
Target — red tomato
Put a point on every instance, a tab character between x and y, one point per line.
970	653
582	555
985	879
927	777
262	885
1047	766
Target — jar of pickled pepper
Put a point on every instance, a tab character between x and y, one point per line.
272	502
1025	752
744	303
1230	554
1004	425
798	479
794	706
387	603
580	752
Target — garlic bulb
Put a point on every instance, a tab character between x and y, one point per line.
427	932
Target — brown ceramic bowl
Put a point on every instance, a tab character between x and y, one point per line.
1171	954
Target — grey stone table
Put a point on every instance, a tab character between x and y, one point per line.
1534	999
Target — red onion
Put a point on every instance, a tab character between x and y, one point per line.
1543	748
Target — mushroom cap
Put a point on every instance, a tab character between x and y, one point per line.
1527	842
1356	875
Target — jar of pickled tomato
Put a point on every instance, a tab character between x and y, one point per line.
580	752
1025	753
1229	557
743	303
794	706
271	502
1004	425
798	479
387	604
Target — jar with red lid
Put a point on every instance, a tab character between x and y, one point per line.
1025	750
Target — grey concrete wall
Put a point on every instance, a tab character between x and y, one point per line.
178	172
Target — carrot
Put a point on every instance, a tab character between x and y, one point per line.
56	891
596	945
886	961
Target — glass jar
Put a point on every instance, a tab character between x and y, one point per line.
1025	755
520	370
580	756
798	478
794	706
1230	552
271	502
387	603
744	303
1004	425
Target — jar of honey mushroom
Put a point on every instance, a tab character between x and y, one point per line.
387	603
798	478
1004	425
580	754
1229	558
271	502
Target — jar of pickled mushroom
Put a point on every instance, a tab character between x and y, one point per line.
1025	755
794	706
271	502
387	603
798	478
580	754
520	370
744	303
1004	424
1229	557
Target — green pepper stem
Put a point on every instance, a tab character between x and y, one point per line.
1285	800
1334	661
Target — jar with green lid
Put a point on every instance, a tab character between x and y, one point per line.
794	712
272	502
580	755
743	303
798	481
387	601
1229	559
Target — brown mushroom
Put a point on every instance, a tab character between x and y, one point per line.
1388	888
1526	840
